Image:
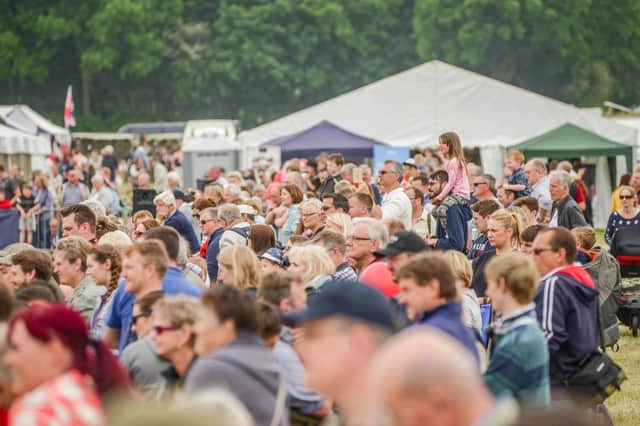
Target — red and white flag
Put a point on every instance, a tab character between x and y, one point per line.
69	118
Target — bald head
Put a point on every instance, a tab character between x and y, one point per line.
423	376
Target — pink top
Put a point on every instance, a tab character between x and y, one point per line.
458	181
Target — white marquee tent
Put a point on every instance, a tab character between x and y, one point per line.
413	107
23	118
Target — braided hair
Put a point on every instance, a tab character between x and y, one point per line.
105	252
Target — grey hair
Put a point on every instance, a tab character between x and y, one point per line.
228	212
475	169
165	198
397	168
174	176
492	181
348	168
539	165
212	212
183	251
96	207
562	176
376	230
97	179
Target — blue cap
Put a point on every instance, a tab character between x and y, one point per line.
349	299
274	255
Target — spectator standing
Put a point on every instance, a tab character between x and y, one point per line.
395	203
430	294
79	220
74	191
140	359
452	230
102	194
110	161
27	206
536	171
279	289
233	357
350	321
336	246
168	214
44	213
627	215
335	162
291	197
565	212
457	183
519	360
625	180
236	230
566	306
70	265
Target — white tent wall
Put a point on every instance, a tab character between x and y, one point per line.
413	107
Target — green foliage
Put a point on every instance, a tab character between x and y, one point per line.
254	60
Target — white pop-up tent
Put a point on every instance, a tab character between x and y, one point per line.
23	118
27	151
413	107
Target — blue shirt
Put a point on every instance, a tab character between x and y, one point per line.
213	249
448	319
121	310
180	223
519	178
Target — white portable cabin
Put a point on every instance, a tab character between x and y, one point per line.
200	154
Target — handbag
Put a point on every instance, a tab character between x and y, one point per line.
597	377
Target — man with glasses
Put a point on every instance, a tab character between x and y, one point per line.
395	203
566	305
212	228
312	219
140	359
367	236
483	187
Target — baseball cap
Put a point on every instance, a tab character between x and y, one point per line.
410	162
178	194
274	255
403	242
349	299
246	209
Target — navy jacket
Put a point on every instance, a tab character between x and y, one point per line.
213	248
180	223
448	319
455	236
567	308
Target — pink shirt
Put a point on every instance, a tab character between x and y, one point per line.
458	181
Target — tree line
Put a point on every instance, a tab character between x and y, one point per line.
162	60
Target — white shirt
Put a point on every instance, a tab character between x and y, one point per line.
396	204
540	190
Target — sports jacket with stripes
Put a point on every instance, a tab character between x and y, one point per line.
567	308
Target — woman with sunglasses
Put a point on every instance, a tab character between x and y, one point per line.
627	215
145	367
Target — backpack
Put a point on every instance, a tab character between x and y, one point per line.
605	272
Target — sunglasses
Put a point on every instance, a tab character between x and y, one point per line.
158	329
204	222
135	318
138	233
384	172
626	197
479	183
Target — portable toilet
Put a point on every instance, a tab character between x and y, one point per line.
200	154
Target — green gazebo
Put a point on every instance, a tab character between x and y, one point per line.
570	141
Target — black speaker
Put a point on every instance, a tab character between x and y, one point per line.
143	200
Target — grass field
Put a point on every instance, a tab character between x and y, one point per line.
624	406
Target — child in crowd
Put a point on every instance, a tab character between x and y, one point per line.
519	359
27	206
516	180
457	189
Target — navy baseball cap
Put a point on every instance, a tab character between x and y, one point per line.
403	242
349	299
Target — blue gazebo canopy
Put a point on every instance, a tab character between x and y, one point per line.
323	137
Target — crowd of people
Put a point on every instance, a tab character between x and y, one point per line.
429	292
